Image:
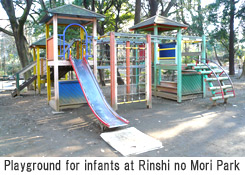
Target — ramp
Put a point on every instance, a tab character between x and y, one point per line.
94	96
23	85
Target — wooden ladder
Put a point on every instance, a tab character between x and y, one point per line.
218	80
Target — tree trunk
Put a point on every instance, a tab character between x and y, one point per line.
243	70
93	5
137	11
216	56
170	5
53	3
231	39
200	18
153	7
17	26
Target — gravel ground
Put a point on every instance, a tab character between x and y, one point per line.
192	128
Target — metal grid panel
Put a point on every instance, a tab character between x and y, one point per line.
191	84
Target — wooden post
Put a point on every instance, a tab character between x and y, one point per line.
38	71
47	67
113	65
179	71
148	79
95	46
56	66
34	69
128	69
203	60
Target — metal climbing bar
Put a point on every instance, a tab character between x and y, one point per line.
126	57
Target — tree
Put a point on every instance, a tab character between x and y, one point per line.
231	38
224	26
165	12
137	11
17	26
153	7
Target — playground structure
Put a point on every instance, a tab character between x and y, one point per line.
191	78
127	58
60	58
125	62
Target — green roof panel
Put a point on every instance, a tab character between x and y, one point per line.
70	10
158	20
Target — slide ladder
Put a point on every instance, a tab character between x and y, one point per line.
218	80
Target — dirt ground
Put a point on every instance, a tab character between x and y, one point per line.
192	128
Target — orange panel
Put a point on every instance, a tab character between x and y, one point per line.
50	49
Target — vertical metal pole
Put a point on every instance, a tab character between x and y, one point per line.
179	71
82	38
34	68
113	67
56	66
155	59
95	46
148	85
47	67
203	60
38	71
128	69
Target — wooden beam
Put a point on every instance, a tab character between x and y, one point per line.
191	53
49	21
47	67
148	77
113	65
76	18
56	66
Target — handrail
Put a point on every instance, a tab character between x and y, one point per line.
28	67
225	74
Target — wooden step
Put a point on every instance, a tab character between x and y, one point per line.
167	89
209	71
215	79
166	95
220	97
218	87
168	84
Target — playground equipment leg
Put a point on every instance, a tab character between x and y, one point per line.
128	69
155	59
179	73
148	73
48	68
38	71
113	64
203	60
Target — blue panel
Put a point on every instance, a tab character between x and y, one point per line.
167	53
93	94
70	93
